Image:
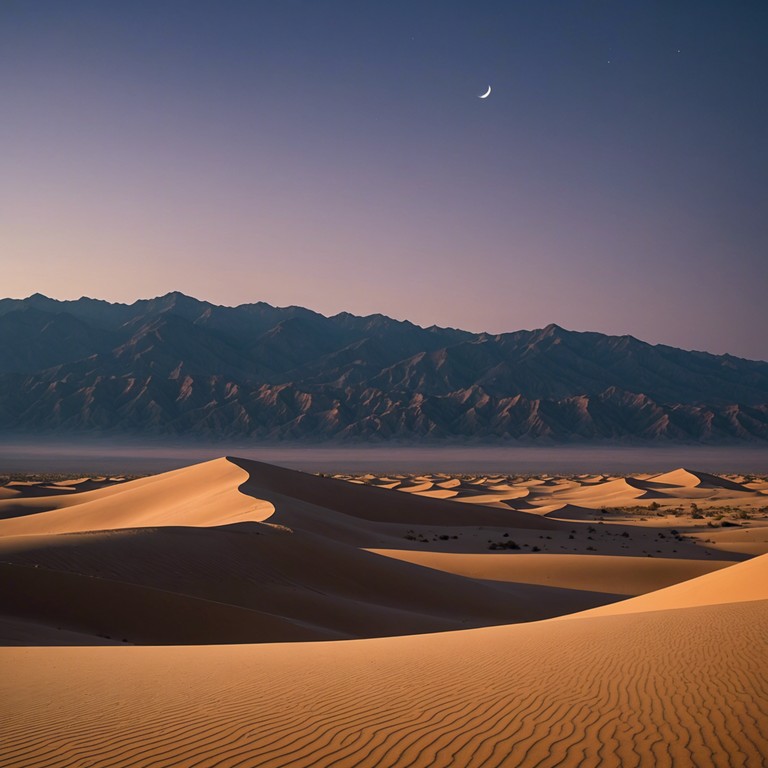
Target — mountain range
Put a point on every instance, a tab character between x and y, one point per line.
177	366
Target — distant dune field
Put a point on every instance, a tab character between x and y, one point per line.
235	613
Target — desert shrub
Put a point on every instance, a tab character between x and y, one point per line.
504	545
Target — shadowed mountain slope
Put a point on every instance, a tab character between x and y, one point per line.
174	365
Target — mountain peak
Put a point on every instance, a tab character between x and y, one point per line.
177	297
39	300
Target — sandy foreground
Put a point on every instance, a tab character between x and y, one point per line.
238	614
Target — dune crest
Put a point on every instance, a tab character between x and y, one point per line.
201	495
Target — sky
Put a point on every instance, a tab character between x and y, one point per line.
336	155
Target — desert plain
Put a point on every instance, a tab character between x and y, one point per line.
236	613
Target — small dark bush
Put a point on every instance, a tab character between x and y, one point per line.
504	545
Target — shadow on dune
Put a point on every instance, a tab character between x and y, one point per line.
250	583
300	574
322	503
10	510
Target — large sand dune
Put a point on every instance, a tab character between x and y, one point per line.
667	688
202	495
188	563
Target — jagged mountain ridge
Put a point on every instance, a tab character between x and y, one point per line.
175	365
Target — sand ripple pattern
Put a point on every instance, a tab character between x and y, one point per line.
685	687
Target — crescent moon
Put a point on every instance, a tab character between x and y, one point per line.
486	94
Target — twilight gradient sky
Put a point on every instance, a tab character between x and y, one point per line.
335	155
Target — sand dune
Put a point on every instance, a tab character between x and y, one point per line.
437	493
687	478
244	581
416	488
611	691
625	490
748	541
234	552
599	573
301	586
294	557
276	484
743	582
202	495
